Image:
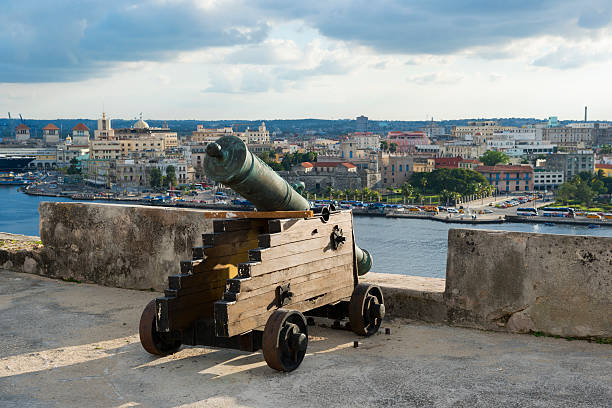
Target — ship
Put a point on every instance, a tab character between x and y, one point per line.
15	163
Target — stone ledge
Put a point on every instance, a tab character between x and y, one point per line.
412	297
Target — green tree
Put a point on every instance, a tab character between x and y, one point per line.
156	178
407	190
384	146
393	147
492	157
170	179
74	167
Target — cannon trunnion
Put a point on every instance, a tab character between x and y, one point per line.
251	283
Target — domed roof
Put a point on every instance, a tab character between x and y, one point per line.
141	124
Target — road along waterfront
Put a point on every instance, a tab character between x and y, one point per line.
401	246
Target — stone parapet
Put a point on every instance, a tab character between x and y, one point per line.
128	246
525	282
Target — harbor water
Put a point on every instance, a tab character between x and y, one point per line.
398	245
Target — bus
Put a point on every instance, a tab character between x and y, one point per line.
527	212
557	212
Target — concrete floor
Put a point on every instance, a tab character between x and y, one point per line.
76	345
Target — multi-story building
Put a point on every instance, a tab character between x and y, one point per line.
531	148
571	164
361	123
147	145
406	141
318	176
261	135
22	132
51	134
208	135
456	163
362	140
469	164
80	135
105	149
573	137
141	129
66	152
507	178
467	150
396	168
479	131
603	137
137	173
360	157
547	180
104	130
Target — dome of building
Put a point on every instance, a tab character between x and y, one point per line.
141	124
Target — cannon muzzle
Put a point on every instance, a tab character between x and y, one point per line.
228	161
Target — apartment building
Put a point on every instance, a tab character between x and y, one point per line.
507	178
571	164
547	180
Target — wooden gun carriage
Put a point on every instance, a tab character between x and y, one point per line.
254	278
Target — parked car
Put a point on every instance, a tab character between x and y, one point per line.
452	211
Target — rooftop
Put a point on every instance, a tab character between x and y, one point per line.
84	353
328	164
80	126
504	167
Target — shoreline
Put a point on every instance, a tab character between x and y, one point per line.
356	212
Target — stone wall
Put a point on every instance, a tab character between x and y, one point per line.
128	246
522	282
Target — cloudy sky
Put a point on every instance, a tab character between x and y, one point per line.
226	59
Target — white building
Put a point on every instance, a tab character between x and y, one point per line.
259	136
547	180
22	132
51	134
104	130
80	135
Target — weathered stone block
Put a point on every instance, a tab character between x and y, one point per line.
128	246
556	284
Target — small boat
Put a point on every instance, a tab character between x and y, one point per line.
550	224
594	226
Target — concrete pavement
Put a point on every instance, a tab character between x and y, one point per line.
74	345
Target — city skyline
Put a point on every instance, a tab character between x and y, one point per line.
208	60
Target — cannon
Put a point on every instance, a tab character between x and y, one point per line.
260	274
230	162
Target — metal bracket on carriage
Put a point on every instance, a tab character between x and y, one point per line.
337	238
283	295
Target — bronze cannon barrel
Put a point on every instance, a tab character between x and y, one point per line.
228	161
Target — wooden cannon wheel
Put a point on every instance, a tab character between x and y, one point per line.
366	309
150	339
285	339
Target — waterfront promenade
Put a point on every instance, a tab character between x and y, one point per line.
75	345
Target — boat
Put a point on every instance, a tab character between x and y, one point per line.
594	226
13	163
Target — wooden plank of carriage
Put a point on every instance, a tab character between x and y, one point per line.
259	214
256	268
303	230
184	284
280	225
334	279
258	322
238	224
294	282
173	315
241	286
